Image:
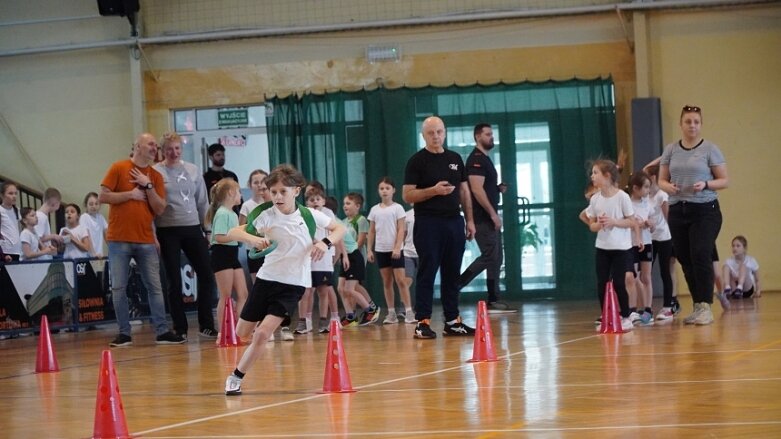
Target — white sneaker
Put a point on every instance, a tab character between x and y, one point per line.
391	318
410	318
665	314
705	317
691	318
233	385
287	334
626	324
634	317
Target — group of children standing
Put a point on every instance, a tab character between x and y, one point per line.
632	233
384	238
82	236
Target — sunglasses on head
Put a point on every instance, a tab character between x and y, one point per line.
691	109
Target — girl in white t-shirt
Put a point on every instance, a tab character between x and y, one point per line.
287	271
95	223
741	272
32	246
260	195
385	242
639	188
323	269
75	236
611	216
662	243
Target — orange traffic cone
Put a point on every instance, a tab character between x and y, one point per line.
337	374
611	318
45	360
109	411
228	331
484	341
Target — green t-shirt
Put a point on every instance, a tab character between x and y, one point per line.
350	236
224	220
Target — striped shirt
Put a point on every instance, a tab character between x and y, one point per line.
688	166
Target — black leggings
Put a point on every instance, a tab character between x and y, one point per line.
663	254
613	265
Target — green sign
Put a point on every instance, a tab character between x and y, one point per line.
232	118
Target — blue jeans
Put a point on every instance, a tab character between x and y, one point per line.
148	265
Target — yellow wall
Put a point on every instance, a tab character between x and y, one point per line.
730	65
73	110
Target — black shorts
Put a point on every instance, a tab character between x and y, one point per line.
254	264
384	260
224	257
322	278
644	255
271	298
357	269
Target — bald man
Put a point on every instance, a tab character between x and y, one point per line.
136	193
436	181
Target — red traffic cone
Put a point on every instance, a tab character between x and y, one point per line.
337	374
228	331
46	359
611	318
483	349
109	411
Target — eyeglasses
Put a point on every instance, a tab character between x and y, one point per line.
691	109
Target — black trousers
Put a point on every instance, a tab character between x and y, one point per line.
694	228
613	265
663	253
190	240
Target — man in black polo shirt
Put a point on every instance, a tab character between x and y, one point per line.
435	181
483	182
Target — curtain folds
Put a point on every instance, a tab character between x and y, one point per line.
349	140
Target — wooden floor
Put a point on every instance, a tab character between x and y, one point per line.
556	378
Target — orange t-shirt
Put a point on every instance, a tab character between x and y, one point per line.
131	221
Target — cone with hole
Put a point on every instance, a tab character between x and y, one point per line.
228	331
483	349
611	317
337	374
46	359
109	411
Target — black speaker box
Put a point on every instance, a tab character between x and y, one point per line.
117	7
646	131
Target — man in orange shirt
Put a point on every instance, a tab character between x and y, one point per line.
136	193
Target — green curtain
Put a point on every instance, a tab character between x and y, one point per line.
349	140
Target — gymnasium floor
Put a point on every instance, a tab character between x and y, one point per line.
556	378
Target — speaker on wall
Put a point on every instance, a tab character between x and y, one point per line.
646	131
117	7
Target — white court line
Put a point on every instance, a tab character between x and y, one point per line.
494	430
309	398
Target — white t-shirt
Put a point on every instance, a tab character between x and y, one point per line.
619	206
385	230
35	244
249	206
661	228
42	228
291	262
71	251
96	225
409	245
752	266
642	212
326	263
9	228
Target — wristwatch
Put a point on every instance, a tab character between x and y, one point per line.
149	186
328	243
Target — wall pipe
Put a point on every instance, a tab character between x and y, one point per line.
341	27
